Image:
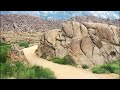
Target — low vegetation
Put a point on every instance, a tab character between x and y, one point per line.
24	44
19	70
66	60
84	66
4	48
113	67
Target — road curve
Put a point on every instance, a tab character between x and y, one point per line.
63	71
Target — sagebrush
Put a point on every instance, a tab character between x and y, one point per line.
4	48
66	60
113	67
24	44
19	70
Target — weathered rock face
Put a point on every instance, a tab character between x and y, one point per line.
71	29
87	43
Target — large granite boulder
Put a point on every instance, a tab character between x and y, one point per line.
87	43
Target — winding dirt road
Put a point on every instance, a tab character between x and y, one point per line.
63	71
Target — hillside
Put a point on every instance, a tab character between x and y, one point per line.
31	23
96	20
26	23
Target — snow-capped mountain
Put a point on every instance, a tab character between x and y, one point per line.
67	14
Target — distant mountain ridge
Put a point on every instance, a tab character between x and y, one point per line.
31	23
60	15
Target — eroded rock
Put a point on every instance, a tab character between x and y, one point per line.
87	43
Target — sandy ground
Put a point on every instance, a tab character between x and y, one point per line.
64	71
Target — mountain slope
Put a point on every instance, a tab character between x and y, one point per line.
32	23
27	23
67	14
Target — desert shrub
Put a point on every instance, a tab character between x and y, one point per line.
99	70
4	48
112	67
24	44
5	70
3	44
19	70
84	66
65	60
58	60
41	72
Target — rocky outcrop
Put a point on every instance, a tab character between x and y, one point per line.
87	43
16	54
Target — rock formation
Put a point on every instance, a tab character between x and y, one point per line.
16	54
87	43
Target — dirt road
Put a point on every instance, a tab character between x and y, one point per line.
63	71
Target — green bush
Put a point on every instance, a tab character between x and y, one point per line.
21	71
5	70
42	72
84	66
58	60
65	60
107	68
3	44
4	48
24	44
99	70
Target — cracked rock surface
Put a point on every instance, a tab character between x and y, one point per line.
87	43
